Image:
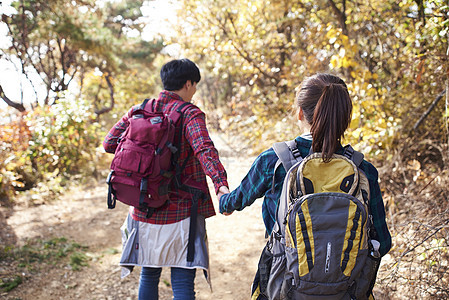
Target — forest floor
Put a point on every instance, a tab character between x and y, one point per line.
79	222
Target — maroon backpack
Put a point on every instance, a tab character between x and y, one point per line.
145	161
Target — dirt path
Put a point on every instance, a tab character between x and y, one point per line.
82	216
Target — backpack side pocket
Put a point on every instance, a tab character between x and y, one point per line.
278	269
259	286
364	284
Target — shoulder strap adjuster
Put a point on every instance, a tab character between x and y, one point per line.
355	156
288	154
295	152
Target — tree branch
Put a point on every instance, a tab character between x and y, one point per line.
18	106
431	107
341	15
111	93
241	51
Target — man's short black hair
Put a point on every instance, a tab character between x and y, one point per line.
175	74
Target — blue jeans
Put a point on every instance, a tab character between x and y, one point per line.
182	281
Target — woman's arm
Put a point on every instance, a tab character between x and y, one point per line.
254	185
378	211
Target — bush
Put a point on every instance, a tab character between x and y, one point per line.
14	138
64	138
49	147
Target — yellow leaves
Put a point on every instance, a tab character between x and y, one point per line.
347	51
357	133
339	61
333	34
370	129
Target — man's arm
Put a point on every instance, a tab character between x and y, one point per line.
110	142
198	137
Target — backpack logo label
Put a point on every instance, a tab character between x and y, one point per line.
156	120
328	257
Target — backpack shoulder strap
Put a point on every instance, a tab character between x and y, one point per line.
144	103
355	156
288	154
176	114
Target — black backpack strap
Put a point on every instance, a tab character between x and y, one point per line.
288	154
196	193
181	107
355	156
111	192
176	114
144	103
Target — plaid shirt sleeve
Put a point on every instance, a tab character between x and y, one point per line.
377	208
254	185
204	150
110	142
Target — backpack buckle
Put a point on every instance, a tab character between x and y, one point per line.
296	152
108	180
349	151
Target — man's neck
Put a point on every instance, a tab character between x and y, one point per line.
180	93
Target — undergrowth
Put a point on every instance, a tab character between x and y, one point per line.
29	259
414	185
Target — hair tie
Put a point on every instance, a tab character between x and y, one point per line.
326	88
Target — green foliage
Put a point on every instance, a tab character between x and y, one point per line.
14	138
49	251
63	41
39	251
111	251
9	284
64	138
166	282
78	260
50	147
96	49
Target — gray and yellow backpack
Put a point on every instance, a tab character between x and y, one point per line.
320	246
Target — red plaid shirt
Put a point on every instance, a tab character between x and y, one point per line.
204	161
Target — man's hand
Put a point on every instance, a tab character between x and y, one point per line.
221	191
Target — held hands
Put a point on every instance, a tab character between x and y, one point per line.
221	191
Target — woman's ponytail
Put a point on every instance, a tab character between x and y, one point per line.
327	106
